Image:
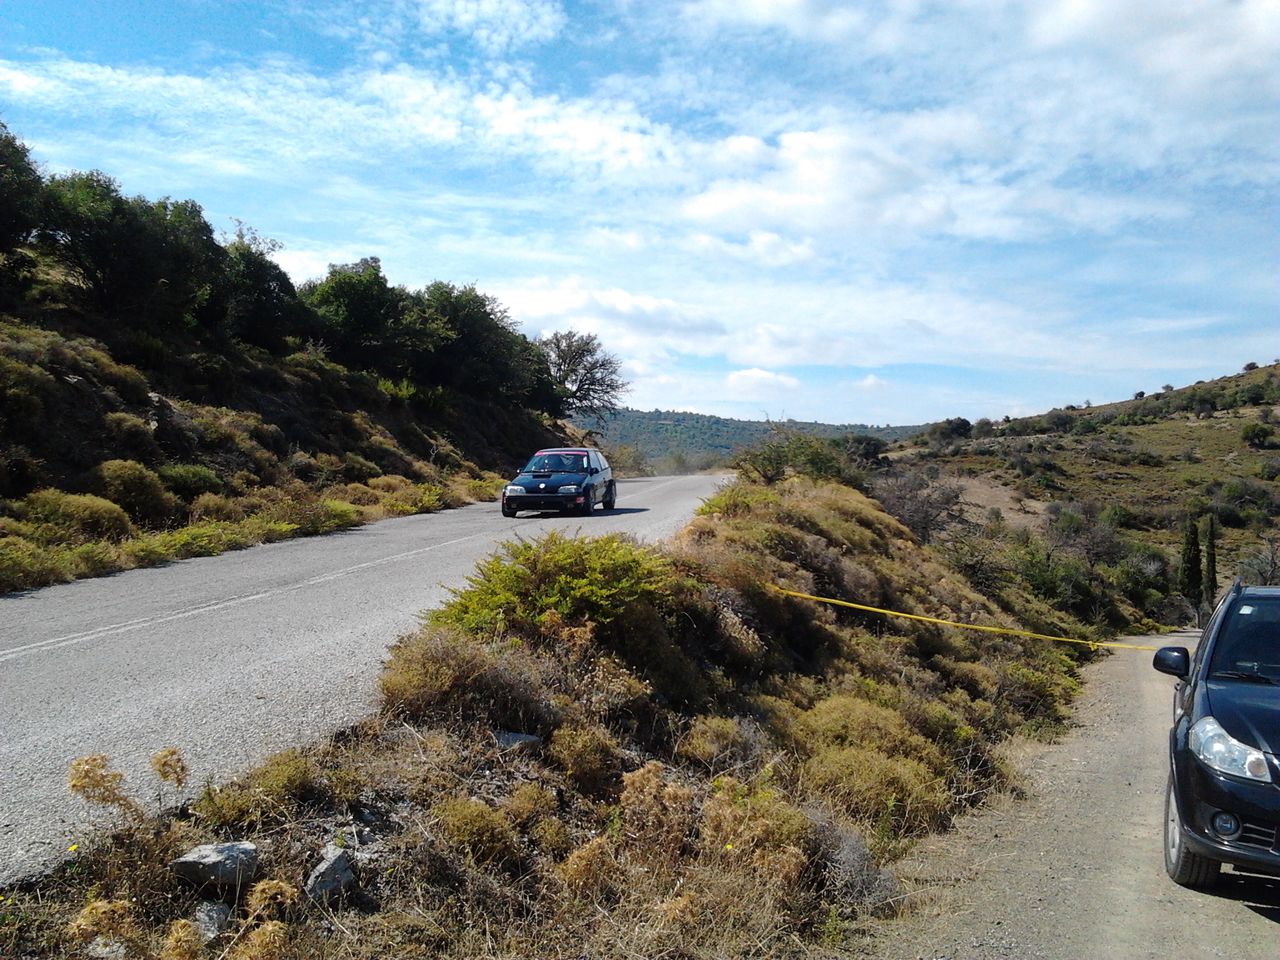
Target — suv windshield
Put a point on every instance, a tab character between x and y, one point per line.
557	463
1249	644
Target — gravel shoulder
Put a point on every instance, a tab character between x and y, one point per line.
1075	869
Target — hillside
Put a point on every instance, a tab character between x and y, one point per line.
164	393
604	749
1141	468
673	442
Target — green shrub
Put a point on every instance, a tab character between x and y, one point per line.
413	498
26	566
356	468
477	828
131	435
78	517
895	793
589	755
137	489
213	506
437	674
95	559
849	721
741	500
270	793
579	580
190	480
722	743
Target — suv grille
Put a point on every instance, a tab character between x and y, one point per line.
1257	835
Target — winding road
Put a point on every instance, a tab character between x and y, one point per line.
234	657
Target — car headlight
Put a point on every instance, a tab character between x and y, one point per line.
570	488
513	491
1224	753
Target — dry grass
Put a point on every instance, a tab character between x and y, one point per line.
752	819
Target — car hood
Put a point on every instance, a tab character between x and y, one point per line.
553	481
1250	712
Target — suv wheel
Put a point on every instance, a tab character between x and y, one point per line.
610	497
1184	867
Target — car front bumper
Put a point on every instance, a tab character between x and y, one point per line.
1202	792
544	501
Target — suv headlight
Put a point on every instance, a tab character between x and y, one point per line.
570	488
513	491
1224	753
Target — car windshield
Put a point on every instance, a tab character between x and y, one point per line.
557	463
1249	645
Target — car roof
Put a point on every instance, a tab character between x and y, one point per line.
1260	591
565	450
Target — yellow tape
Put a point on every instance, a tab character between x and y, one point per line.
1094	644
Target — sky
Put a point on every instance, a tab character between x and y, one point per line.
882	212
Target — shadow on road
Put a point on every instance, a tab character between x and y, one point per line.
1258	892
615	512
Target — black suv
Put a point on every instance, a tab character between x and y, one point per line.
1223	799
562	478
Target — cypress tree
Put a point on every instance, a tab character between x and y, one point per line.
1210	585
1190	572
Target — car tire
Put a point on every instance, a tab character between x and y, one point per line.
588	502
610	497
509	511
1184	867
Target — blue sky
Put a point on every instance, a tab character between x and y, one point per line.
877	212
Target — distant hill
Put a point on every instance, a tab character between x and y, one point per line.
699	440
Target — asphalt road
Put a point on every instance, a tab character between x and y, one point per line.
231	658
1076	870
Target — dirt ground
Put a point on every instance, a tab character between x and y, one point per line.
1075	869
978	496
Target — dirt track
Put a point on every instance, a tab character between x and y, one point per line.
1075	871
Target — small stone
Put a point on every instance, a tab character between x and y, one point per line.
507	740
333	878
212	918
221	864
103	948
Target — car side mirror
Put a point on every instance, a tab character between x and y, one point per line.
594	471
1174	661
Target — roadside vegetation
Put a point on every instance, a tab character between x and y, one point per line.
167	393
718	770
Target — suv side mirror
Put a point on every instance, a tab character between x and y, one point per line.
1174	661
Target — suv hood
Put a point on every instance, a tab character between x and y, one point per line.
1250	712
553	481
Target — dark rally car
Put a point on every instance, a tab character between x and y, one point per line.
1222	803
562	478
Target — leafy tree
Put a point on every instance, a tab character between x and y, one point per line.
157	261
357	308
1256	435
258	302
20	190
1189	571
587	377
1210	557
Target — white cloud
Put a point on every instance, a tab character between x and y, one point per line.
871	382
495	26
757	384
817	19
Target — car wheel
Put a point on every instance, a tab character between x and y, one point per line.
1184	867
610	497
508	511
588	502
